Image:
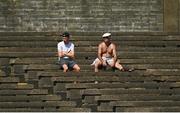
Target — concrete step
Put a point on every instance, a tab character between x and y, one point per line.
9	80
137	97
90	49
29	49
24	92
149	72
78	94
126	86
37	104
37	67
51	60
40	61
91	55
100	79
16	86
35	75
147	109
120	91
28	44
154	106
88	37
89	43
89	33
145	103
30	98
46	109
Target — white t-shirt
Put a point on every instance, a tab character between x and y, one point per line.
65	47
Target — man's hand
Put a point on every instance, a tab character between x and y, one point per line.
104	63
66	53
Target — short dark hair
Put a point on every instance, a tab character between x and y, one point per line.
66	34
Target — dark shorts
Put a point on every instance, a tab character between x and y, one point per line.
69	62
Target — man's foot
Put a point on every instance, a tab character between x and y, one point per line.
127	69
95	82
131	69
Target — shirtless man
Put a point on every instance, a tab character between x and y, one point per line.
107	54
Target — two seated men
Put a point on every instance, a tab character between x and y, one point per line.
107	55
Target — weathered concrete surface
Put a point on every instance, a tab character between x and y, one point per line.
81	15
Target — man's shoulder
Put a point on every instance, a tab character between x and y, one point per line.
112	44
60	42
101	43
71	44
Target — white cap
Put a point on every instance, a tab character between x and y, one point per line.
106	35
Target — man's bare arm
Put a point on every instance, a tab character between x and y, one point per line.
68	54
60	54
100	53
114	53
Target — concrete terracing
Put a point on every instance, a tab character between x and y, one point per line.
30	78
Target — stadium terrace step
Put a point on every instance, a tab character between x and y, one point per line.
144	103
119	91
127	85
54	60
148	72
89	43
90	49
24	92
89	33
147	109
26	54
37	104
91	55
25	33
48	109
9	80
16	86
36	83
91	79
47	67
30	98
2	73
137	97
29	49
29	38
105	108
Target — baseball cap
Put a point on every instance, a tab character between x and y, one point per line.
106	35
65	34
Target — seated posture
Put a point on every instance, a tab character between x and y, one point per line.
66	54
107	55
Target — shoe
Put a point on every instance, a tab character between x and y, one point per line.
95	82
131	69
126	69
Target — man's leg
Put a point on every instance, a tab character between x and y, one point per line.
96	65
73	65
65	67
121	68
63	64
76	68
115	65
118	65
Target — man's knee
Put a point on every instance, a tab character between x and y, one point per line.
97	64
65	67
76	68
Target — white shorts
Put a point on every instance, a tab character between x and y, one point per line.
108	60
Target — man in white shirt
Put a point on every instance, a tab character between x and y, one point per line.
66	54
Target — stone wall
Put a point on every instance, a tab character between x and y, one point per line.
81	15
